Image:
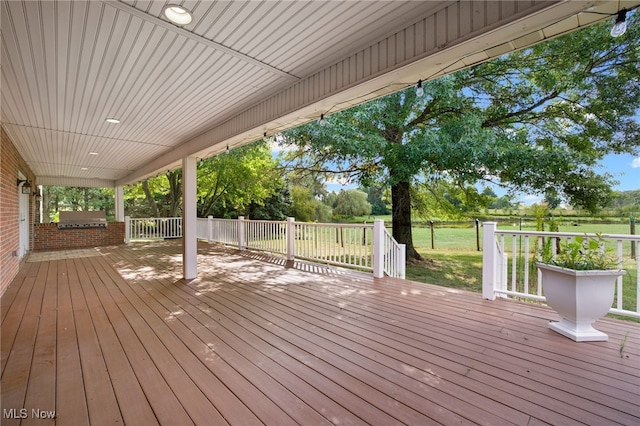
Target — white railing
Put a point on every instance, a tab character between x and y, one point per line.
265	235
395	256
223	231
349	245
335	244
150	228
508	265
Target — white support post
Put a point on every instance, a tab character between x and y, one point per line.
241	243
378	248
489	260
290	235
403	261
127	229
189	218
119	193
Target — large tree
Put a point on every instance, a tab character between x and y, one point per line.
159	196
231	181
536	120
227	184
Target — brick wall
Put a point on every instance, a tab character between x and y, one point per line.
47	236
10	164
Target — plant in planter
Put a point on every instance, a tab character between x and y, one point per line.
579	283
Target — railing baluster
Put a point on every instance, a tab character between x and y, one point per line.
638	285
526	264
619	292
514	267
539	276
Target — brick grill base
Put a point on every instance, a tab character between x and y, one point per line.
47	236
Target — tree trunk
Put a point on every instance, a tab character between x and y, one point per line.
150	199
175	192
401	218
46	208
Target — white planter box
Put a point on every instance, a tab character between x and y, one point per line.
580	297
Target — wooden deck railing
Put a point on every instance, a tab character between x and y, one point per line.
149	228
336	244
508	265
367	247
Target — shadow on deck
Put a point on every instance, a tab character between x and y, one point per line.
118	337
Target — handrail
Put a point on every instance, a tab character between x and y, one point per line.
510	271
347	245
149	228
335	244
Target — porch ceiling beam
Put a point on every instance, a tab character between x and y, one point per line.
80	182
432	47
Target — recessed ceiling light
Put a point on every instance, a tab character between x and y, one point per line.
113	120
84	168
177	14
93	153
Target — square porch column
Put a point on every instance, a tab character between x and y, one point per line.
189	218
119	192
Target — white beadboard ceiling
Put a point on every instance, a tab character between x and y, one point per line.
240	69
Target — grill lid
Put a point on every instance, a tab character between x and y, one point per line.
82	219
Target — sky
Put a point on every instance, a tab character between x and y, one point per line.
626	170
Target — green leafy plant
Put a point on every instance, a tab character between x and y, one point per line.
581	253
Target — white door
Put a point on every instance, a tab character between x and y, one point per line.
23	215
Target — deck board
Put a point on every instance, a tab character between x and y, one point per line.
102	403
120	338
558	376
71	400
128	392
42	376
162	399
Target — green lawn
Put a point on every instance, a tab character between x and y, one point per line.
447	268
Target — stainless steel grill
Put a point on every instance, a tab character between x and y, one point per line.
88	219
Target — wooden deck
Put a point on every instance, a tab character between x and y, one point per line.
118	338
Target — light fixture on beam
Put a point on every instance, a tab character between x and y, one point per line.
620	27
26	186
419	89
177	14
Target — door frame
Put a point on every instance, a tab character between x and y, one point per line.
23	220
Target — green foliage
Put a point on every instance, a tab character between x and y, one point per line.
378	197
504	203
441	199
581	253
159	196
232	181
60	198
351	203
305	207
540	212
626	203
275	207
